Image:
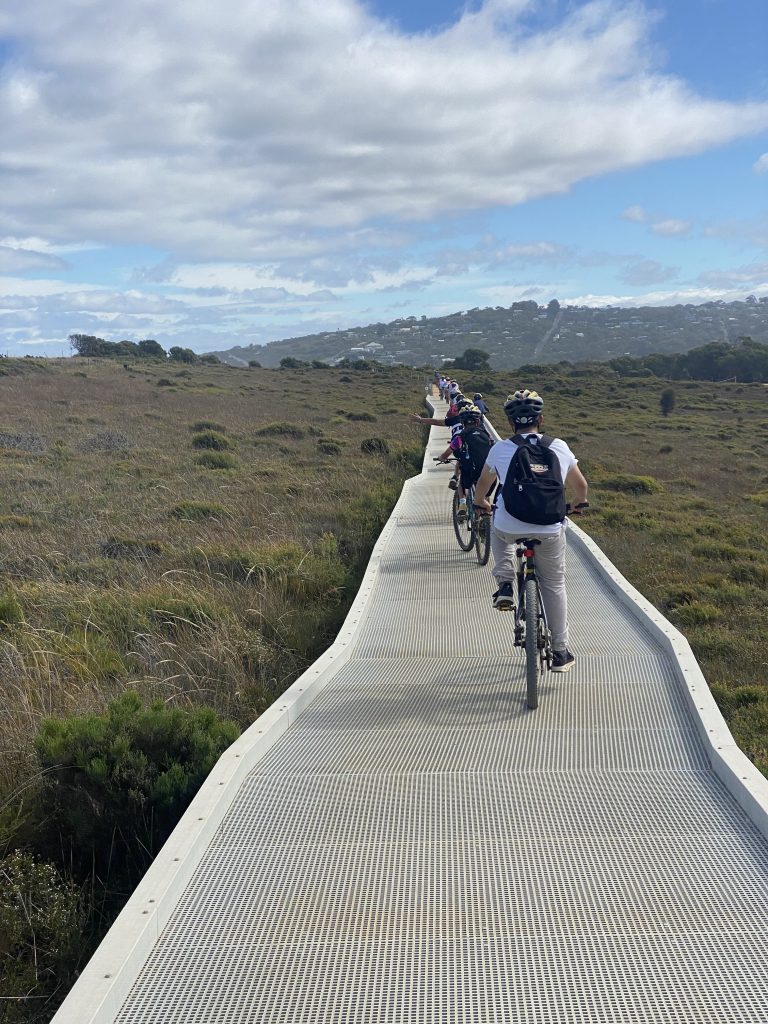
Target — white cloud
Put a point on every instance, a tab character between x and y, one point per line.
248	131
761	165
671	227
637	214
646	272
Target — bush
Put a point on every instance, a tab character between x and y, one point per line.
329	447
213	440
281	428
116	784
42	919
360	417
630	484
375	446
216	460
125	547
11	611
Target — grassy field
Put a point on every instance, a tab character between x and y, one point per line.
194	536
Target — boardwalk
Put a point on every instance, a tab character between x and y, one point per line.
418	847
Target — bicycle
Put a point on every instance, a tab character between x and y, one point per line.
532	631
473	530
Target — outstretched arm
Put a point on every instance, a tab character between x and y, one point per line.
425	419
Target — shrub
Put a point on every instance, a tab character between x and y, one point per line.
163	382
360	417
11	611
216	460
329	447
281	428
375	446
630	484
197	510
116	784
125	547
42	920
212	439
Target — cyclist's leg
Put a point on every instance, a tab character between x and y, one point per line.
550	569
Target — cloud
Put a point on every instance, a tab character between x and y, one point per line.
14	260
761	165
212	133
637	214
753	277
671	228
647	272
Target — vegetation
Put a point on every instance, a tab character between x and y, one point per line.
526	332
172	559
151	607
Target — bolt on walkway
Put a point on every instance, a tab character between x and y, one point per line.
419	847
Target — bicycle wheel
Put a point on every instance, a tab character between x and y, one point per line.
462	528
531	597
482	538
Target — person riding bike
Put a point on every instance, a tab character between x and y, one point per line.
524	412
470	444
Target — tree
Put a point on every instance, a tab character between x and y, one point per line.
667	401
553	307
88	345
182	355
254	364
472	359
151	349
291	363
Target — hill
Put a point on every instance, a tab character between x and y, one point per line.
524	333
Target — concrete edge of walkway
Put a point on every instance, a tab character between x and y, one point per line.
101	989
729	763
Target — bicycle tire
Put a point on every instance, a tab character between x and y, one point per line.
531	597
482	538
464	531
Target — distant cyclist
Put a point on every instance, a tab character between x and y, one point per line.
478	400
524	412
470	445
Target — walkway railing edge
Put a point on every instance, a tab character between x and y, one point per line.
729	763
101	989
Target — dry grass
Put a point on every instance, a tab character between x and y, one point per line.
127	564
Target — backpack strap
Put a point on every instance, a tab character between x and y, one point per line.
545	440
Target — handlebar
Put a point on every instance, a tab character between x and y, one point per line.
576	510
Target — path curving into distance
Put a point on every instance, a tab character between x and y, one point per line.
400	840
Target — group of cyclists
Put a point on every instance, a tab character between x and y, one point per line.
527	475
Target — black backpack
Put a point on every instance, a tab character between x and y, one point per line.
533	489
475	445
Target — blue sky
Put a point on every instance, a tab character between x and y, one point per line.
242	172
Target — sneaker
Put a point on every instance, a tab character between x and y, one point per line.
453	483
562	661
504	598
461	512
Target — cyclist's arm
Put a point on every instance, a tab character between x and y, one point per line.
425	419
577	485
485	482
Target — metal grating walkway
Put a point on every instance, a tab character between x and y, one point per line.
418	847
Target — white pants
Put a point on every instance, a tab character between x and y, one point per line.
550	569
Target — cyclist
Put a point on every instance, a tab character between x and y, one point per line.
478	400
470	444
524	412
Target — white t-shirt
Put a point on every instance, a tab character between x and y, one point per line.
499	459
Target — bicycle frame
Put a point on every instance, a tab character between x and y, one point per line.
531	627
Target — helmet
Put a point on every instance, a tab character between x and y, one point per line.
477	397
524	407
461	402
469	412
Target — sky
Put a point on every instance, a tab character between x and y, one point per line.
233	173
